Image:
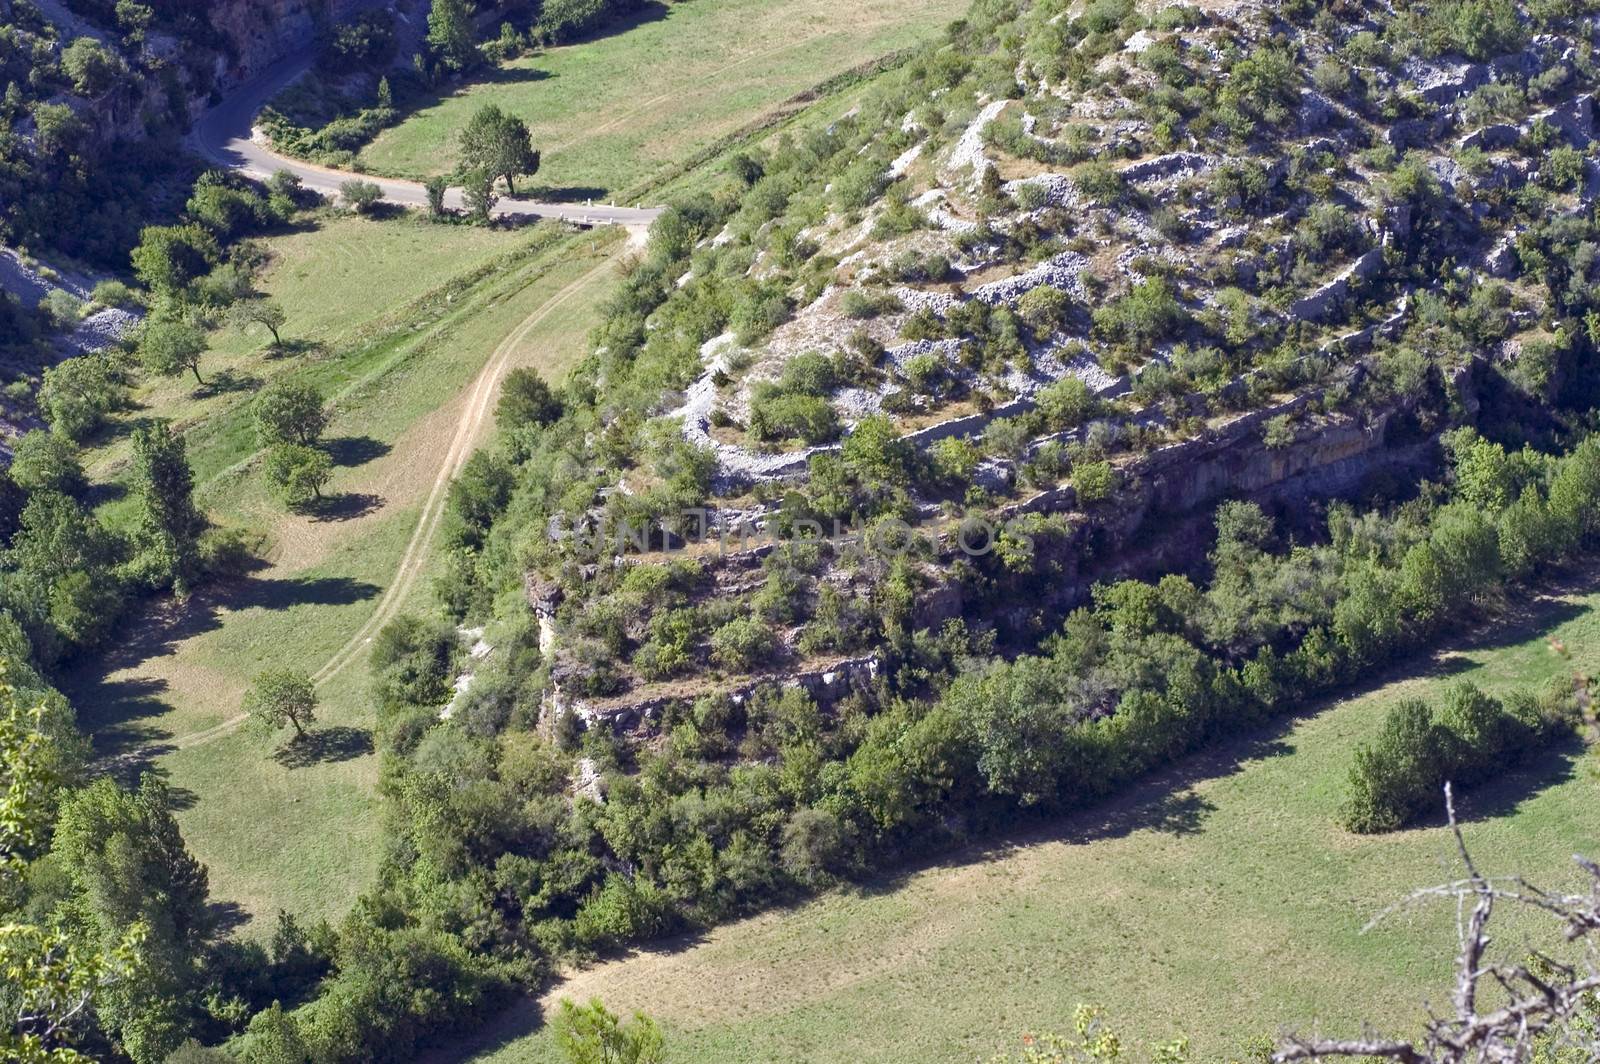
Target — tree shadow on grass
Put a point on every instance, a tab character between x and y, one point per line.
118	428
1533	612
117	712
116	715
324	745
382	211
343	507
226	381
295	347
651	11
228	916
97	495
507	75
1503	795
355	450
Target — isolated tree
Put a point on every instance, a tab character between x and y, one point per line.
290	411
43	461
450	34
1394	777
500	144
282	696
264	312
70	559
525	399
592	1034
169	522
477	190
167	348
57	129
298	473
135	20
362	196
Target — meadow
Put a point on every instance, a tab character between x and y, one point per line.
396	348
1220	902
612	113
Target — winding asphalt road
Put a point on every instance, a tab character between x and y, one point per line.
223	136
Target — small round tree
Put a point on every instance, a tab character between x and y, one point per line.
262	312
170	347
289	411
282	696
298	473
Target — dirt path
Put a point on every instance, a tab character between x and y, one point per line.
469	429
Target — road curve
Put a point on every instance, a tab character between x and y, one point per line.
223	136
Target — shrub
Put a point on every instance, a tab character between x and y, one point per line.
61	309
112	294
781	416
1067	404
91	66
1094	481
1278	432
1099	182
1147	314
76	395
808	374
1563	168
43	461
1043	309
925	373
360	196
623	910
411	661
815	846
857	304
742	644
525	399
1394	778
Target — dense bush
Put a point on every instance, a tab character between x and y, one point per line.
1398	776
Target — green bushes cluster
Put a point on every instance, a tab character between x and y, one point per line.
1399	775
796	405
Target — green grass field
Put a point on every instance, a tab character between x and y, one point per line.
398	352
611	113
1220	901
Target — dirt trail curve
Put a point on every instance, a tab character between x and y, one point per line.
475	418
224	135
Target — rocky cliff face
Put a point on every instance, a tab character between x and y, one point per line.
182	76
259	32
